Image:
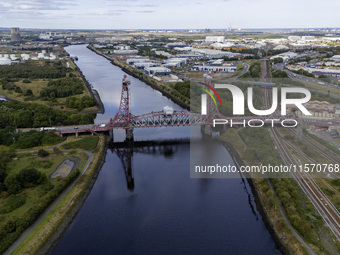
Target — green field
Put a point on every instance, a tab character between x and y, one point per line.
39	82
83	143
19	209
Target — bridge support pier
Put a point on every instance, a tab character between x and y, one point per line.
77	134
111	135
206	129
129	134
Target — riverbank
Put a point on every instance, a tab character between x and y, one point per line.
257	198
93	92
166	91
289	212
56	222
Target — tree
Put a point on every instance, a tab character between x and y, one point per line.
12	184
29	176
29	93
3	175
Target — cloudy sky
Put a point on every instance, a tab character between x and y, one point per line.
169	14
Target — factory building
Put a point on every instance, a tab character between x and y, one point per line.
125	52
25	56
5	60
160	71
143	65
131	61
175	62
47	37
213	39
217	62
227	69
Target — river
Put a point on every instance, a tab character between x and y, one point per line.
167	212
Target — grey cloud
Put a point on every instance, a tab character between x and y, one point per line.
146	11
42	5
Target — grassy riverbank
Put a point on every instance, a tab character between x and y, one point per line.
282	202
57	220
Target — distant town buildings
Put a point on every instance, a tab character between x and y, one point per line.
318	109
47	37
213	39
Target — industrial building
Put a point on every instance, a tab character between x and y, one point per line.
143	65
318	109
15	34
217	62
160	71
125	52
132	61
47	37
175	62
5	60
228	69
213	39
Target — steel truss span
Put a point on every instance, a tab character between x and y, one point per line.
159	119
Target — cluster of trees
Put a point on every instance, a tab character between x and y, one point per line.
6	85
255	69
81	103
297	60
183	88
34	70
279	74
276	60
146	51
244	51
6	155
64	87
12	228
325	78
305	73
33	138
26	178
33	115
295	208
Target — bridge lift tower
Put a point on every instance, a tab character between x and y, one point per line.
123	117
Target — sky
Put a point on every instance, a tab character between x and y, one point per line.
169	14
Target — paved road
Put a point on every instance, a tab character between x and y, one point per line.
281	66
246	68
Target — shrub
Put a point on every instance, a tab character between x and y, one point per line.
29	93
12	184
26	81
29	176
12	203
42	153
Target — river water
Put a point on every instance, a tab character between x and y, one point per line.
167	212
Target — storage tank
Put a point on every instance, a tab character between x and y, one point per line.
5	61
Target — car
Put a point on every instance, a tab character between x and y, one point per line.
76	127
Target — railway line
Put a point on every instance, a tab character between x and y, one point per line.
319	148
326	209
320	201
